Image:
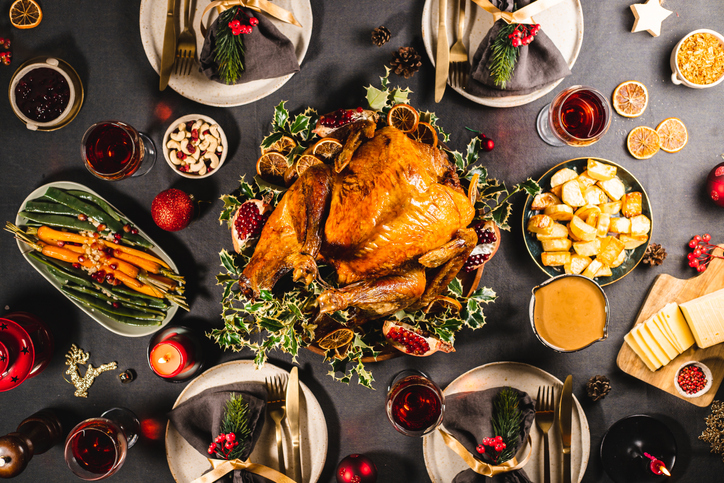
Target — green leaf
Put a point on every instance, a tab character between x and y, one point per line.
385	81
481	171
268	186
271	139
228	262
281	116
500	215
456	287
400	96
472	151
376	98
300	124
531	187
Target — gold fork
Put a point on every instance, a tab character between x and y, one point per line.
544	416
277	411
186	44
459	66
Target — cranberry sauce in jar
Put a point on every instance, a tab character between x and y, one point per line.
42	94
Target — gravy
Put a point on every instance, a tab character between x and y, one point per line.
570	313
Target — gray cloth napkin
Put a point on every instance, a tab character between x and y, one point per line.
539	63
467	418
268	52
198	420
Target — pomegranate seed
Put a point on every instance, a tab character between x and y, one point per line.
61	244
101	227
76	265
114	266
126	227
134	231
82	217
81	259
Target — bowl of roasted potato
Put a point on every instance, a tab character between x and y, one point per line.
592	218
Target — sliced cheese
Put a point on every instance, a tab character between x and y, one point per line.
646	349
652	344
657	336
661	325
639	352
677	323
705	316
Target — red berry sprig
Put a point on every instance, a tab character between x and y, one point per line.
223	445
236	26
701	255
496	446
523	34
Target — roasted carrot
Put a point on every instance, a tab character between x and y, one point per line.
45	232
128	281
148	265
64	254
163	280
138	253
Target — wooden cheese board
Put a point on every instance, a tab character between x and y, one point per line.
666	289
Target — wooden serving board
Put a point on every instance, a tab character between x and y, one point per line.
667	289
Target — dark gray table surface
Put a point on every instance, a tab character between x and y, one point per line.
102	41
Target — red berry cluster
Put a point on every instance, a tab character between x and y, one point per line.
340	117
223	445
5	57
701	255
691	379
415	343
496	446
250	221
523	34
486	236
236	26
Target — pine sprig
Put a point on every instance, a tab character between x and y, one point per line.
506	420
236	420
503	56
229	49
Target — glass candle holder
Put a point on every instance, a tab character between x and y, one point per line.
175	354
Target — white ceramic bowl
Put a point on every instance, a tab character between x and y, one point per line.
167	151
707	375
49	63
677	77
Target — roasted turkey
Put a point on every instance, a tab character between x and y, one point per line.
390	217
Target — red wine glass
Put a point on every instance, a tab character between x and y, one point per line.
114	150
415	404
96	448
578	116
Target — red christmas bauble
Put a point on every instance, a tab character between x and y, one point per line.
715	185
172	210
356	468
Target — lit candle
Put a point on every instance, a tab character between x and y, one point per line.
170	357
657	466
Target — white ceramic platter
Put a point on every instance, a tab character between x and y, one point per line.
187	464
110	324
196	86
443	463
563	23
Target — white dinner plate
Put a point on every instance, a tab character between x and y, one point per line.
187	464
114	326
443	463
562	23
196	86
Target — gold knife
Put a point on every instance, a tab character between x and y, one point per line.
169	47
442	59
295	470
565	408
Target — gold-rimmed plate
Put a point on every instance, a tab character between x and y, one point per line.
579	165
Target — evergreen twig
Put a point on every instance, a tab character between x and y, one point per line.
229	49
236	420
506	420
503	56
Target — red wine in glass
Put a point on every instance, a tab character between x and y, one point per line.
414	404
94	450
578	116
113	150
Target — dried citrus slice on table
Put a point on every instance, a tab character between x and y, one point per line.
404	117
338	338
643	142
304	162
425	134
25	14
327	148
672	134
271	166
630	98
283	146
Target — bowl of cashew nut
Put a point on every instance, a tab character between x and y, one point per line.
195	146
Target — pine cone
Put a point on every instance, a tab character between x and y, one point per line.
597	387
380	36
655	254
405	62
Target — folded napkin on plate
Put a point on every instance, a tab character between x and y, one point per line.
468	419
268	53
198	420
539	63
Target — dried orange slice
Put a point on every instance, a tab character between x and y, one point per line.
338	338
441	303
673	135
630	98
304	162
404	117
283	146
473	189
643	142
271	166
25	14
425	134
327	148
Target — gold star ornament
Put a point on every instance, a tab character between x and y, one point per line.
649	16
